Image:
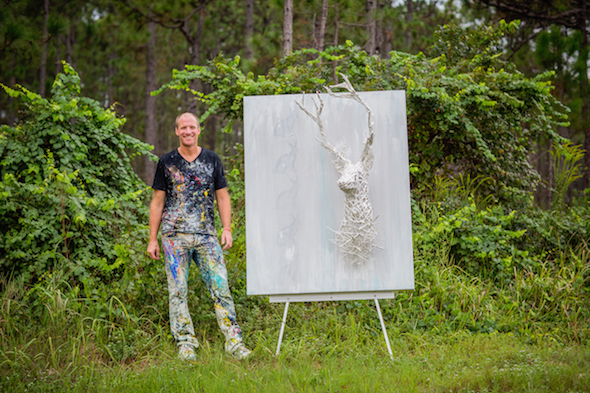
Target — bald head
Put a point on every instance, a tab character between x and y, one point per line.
187	114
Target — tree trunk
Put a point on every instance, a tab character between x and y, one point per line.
387	41
69	45
371	26
195	41
316	29
287	27
111	74
195	49
379	29
210	134
151	119
321	30
43	70
249	29
409	18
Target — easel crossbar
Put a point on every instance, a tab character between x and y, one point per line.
323	297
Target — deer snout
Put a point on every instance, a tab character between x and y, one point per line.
352	178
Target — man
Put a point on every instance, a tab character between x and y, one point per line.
186	181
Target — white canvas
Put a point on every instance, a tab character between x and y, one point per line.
293	204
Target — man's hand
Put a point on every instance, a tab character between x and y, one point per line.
224	207
226	240
153	250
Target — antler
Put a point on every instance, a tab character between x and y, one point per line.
341	159
367	154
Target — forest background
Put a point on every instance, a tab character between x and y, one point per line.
498	102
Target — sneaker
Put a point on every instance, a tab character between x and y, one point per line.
239	351
186	352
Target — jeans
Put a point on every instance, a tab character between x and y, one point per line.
204	250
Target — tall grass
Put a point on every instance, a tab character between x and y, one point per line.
47	334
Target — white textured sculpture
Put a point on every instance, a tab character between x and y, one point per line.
356	235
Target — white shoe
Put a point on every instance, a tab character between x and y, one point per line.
239	351
186	352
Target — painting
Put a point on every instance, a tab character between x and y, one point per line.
296	202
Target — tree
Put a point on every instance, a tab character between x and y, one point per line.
26	37
178	16
574	16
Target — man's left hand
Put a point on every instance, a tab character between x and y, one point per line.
226	240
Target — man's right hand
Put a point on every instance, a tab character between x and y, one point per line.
153	249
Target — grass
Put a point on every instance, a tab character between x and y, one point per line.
460	362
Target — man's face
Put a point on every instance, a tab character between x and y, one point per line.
187	130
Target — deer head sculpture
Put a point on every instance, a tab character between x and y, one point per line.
356	235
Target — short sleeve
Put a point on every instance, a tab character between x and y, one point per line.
160	177
220	181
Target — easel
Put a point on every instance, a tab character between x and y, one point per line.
320	297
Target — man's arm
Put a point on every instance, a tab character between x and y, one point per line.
224	207
156	209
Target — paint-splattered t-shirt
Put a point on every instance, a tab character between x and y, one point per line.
190	190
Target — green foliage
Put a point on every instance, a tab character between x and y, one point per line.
534	305
468	110
491	243
453	191
68	195
480	241
483	43
554	231
566	162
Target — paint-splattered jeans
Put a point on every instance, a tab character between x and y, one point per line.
204	250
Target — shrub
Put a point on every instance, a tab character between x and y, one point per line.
483	242
69	197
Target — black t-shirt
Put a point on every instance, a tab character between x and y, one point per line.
190	190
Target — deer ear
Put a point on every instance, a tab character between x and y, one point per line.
340	164
367	160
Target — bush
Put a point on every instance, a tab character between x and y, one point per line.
482	242
69	197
